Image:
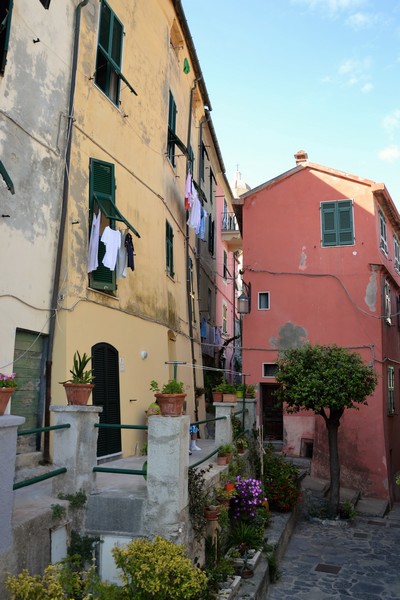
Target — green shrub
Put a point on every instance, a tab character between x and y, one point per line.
280	481
159	570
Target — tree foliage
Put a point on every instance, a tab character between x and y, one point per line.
323	377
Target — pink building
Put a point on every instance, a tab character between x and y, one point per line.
321	252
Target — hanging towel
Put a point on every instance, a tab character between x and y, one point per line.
122	259
188	191
194	215
93	262
130	251
202	227
111	238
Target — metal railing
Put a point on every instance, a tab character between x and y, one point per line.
44	476
229	222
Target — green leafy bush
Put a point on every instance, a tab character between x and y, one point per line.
280	481
159	570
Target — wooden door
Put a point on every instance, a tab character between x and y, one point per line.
105	364
272	413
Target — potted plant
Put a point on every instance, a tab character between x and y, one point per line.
250	391
170	397
240	389
241	444
224	454
79	387
8	385
224	392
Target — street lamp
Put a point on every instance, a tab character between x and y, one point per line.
244	300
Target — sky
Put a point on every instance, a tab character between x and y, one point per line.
316	75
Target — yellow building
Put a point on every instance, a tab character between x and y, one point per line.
140	108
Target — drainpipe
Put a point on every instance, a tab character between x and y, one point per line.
57	270
188	290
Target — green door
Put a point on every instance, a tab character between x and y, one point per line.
105	364
28	400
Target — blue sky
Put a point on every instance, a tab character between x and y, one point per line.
318	75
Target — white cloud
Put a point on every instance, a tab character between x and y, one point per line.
361	20
332	6
392	122
368	87
390	154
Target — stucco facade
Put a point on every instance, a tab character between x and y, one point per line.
34	89
326	277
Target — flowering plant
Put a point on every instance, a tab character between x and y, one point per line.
8	381
248	496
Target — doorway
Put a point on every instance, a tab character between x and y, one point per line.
105	364
272	412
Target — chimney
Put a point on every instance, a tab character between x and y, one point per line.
301	156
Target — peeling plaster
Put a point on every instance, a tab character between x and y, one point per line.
303	259
289	336
371	291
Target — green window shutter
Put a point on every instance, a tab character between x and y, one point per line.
337	223
169	249
102	186
329	237
109	53
171	129
345	221
5	28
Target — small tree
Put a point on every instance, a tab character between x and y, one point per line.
327	380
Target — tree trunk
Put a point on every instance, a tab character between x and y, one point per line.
334	464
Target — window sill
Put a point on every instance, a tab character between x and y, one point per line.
111	295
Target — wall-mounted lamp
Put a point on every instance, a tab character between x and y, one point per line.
143	354
244	300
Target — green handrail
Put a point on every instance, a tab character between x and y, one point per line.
119	426
40	429
121	471
33	480
208	420
199	462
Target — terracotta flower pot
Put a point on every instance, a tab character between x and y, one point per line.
5	395
222	460
212	514
171	405
78	393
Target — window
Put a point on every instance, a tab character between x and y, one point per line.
209	302
383	239
191	289
102	197
337	223
212	186
5	27
203	154
169	249
225	265
211	234
263	300
109	55
390	373
224	318
269	369
171	129
396	252
387	301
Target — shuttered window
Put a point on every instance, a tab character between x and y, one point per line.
6	8
171	129
211	235
169	249
102	188
390	385
337	223
383	235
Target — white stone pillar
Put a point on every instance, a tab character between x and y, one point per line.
167	476
75	448
8	451
223	427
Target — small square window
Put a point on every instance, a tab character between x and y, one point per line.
269	369
263	300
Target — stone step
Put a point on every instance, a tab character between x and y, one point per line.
28	460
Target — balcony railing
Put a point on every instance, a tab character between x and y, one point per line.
229	222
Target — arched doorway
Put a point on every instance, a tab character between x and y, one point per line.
105	364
